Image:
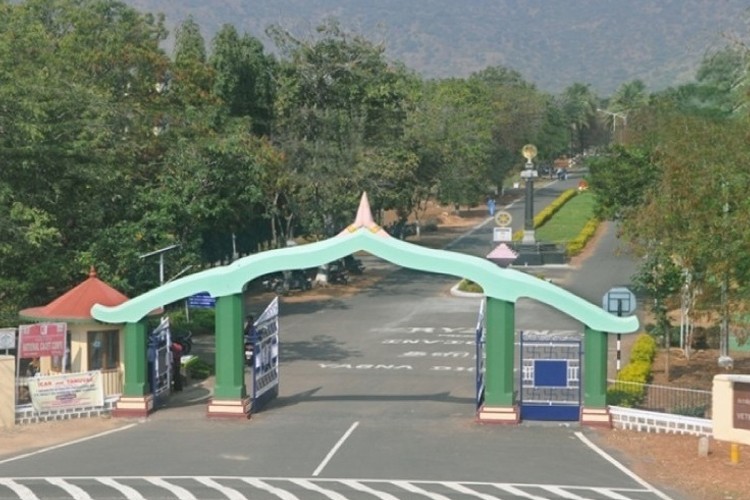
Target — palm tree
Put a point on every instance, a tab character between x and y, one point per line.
579	106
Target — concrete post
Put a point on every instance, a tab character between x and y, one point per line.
499	402
595	411
230	394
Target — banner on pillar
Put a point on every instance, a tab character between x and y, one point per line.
480	355
266	366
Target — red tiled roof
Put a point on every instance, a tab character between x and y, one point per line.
77	302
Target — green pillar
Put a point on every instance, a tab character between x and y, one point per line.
136	366
500	350
230	355
594	369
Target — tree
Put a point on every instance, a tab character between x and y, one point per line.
579	104
339	102
244	77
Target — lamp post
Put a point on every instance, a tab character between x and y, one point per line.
615	115
528	174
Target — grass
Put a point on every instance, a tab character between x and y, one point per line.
568	222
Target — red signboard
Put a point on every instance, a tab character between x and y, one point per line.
41	339
741	405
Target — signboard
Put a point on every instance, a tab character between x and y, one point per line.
41	339
266	369
67	391
7	338
503	218
741	407
502	234
201	301
480	355
619	300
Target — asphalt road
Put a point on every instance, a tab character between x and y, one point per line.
377	401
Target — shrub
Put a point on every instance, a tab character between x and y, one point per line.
644	349
201	321
629	388
577	244
198	369
469	286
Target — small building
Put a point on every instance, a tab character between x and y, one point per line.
92	345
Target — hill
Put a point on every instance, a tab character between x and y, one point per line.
553	43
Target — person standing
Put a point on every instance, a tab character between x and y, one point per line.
176	349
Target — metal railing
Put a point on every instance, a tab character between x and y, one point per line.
660	398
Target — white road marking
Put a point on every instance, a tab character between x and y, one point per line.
334	449
230	493
23	492
412	488
129	492
356	485
467	491
262	485
178	491
287	488
308	485
71	489
69	443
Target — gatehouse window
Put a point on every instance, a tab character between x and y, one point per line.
103	350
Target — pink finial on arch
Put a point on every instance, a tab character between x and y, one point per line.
364	219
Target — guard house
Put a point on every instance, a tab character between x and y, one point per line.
92	345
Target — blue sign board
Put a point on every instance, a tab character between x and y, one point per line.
201	301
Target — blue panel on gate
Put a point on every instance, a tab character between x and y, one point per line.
551	373
567	413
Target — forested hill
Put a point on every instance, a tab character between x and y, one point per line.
553	43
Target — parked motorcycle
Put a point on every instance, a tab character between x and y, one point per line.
287	281
353	264
185	340
337	273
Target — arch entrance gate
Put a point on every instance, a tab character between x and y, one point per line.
502	287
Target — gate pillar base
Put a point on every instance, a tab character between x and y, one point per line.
134	407
596	417
498	415
229	408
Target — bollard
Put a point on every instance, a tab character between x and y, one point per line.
703	446
734	453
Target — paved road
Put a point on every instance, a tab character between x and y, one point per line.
377	401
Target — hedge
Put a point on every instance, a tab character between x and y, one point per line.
546	214
632	378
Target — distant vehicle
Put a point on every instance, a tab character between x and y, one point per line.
286	281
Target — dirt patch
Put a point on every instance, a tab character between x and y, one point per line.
672	461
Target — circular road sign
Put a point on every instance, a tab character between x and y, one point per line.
619	300
503	218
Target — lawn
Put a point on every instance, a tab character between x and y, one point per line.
568	221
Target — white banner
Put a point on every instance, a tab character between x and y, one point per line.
66	391
266	369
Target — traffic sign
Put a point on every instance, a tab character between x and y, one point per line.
619	300
7	338
502	234
503	218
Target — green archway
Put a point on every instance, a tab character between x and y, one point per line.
502	287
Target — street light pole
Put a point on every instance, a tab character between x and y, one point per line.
528	174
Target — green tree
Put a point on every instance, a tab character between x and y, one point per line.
339	102
244	77
579	103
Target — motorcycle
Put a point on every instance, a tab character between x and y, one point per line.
337	273
283	283
353	264
185	340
